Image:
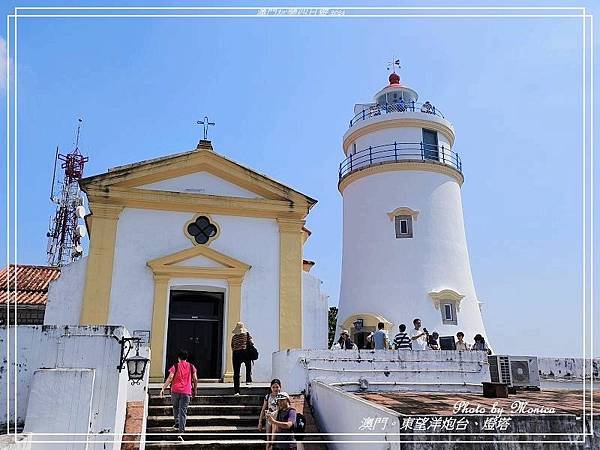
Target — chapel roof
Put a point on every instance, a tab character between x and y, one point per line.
31	282
116	174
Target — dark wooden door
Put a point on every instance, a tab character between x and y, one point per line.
196	325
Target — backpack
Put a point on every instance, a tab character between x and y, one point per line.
300	427
251	351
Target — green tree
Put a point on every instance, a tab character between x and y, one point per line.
332	316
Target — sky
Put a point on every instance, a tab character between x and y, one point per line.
282	90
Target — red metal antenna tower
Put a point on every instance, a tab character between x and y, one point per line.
64	237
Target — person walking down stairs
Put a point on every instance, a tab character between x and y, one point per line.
184	383
239	344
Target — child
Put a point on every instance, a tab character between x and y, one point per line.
461	345
433	341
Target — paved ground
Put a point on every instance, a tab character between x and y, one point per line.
424	403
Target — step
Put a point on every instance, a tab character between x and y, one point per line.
250	444
199	410
205	420
220	432
212	400
224	390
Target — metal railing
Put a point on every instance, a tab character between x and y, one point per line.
378	110
399	152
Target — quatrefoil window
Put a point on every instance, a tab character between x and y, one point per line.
201	230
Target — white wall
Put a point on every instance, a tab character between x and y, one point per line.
60	401
65	295
340	412
201	183
68	347
399	134
389	135
314	313
143	235
393	277
443	371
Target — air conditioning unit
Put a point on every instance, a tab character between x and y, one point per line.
517	371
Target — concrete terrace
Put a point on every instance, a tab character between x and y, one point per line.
442	404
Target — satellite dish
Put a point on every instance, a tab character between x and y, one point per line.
80	230
80	211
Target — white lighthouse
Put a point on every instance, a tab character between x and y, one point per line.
404	246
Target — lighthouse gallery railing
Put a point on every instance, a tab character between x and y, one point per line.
399	152
379	109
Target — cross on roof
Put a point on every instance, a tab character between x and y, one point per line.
206	124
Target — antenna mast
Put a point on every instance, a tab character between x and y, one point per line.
64	236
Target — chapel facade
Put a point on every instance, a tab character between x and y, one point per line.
183	247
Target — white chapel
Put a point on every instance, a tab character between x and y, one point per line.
183	247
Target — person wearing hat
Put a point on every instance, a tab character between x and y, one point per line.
344	342
283	423
239	342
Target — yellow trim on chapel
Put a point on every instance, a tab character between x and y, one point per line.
164	269
291	240
192	202
98	277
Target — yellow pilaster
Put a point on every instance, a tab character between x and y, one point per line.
98	277
234	307
291	238
159	327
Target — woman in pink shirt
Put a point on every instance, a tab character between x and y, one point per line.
184	382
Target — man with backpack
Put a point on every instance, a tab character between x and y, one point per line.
285	423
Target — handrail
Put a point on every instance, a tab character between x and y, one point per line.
377	109
399	152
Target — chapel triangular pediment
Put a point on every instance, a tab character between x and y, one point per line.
189	169
204	183
199	260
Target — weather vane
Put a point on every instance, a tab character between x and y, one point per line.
392	65
206	124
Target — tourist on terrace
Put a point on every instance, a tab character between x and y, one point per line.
418	336
283	423
461	345
182	376
432	341
344	342
239	343
380	338
480	344
401	340
269	407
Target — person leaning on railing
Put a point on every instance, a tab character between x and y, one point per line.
427	108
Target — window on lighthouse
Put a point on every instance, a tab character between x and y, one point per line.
404	227
430	145
449	313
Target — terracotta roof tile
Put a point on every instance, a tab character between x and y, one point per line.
32	283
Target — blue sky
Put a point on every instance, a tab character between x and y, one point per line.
281	92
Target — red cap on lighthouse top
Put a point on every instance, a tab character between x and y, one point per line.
394	78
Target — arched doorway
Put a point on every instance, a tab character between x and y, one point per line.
361	325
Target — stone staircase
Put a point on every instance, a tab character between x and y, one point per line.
216	419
